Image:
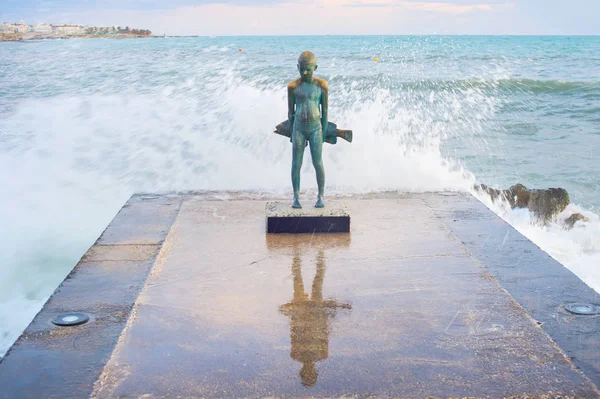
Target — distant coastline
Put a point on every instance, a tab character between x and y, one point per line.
20	32
18	37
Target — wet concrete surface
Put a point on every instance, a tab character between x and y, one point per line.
399	307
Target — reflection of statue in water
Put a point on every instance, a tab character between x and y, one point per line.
309	320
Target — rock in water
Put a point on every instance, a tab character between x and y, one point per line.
574	218
518	196
492	192
545	204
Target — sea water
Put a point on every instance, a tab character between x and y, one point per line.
85	123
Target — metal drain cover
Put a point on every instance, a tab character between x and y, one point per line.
583	308
70	319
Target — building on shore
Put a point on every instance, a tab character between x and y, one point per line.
68	30
14	28
42	28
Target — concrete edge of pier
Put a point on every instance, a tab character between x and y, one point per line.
52	361
60	362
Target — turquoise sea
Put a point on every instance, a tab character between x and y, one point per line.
84	123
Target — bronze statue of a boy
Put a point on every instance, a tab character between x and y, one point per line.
307	122
307	114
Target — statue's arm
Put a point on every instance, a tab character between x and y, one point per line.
291	104
324	106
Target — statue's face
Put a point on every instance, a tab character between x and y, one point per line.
306	71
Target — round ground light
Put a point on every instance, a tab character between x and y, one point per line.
583	308
70	319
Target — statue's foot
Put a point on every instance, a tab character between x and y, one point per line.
320	203
296	204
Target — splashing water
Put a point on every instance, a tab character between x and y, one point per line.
86	123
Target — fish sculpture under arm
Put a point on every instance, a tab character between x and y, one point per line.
331	136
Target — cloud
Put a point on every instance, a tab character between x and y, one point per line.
35	10
317	17
439	6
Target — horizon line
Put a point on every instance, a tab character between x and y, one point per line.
397	34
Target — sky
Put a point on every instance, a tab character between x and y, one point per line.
318	17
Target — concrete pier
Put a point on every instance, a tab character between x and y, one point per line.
430	295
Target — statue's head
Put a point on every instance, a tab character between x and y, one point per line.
307	65
308	374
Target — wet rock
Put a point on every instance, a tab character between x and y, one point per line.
545	204
519	196
495	194
574	218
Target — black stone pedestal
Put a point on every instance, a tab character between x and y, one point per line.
282	218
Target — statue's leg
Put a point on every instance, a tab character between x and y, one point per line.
316	152
317	287
298	145
299	294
